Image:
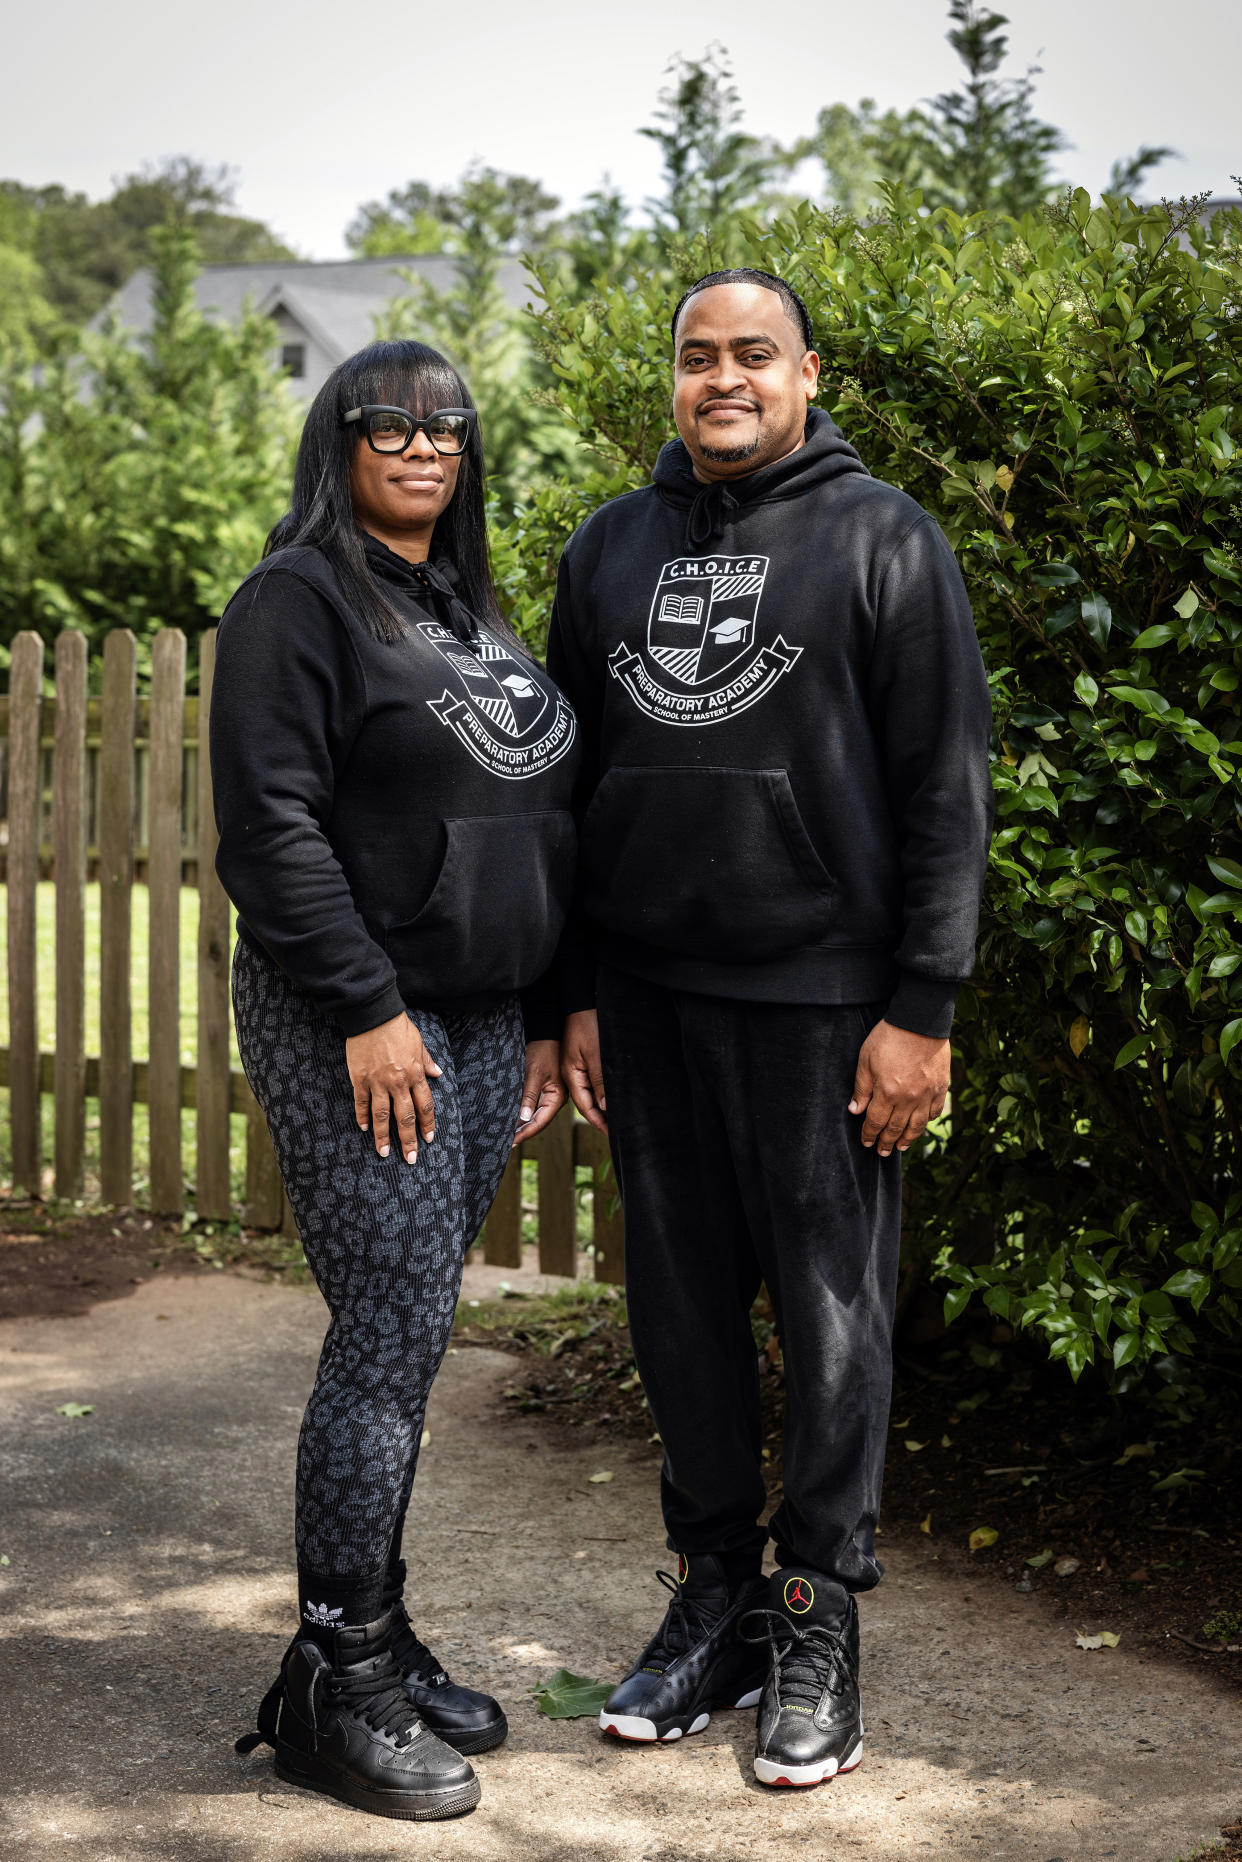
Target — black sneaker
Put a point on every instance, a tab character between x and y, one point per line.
694	1662
346	1729
462	1717
810	1717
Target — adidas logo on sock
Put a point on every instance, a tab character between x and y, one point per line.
320	1613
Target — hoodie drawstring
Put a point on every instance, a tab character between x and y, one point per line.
454	613
712	509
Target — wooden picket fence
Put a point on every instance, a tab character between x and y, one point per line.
124	777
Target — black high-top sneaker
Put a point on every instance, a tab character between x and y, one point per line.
694	1662
346	1728
810	1717
462	1717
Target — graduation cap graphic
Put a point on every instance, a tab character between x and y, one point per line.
725	633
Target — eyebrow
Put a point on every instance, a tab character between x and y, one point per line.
738	342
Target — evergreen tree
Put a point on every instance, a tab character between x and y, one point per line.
713	172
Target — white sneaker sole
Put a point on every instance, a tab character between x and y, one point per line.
772	1771
631	1726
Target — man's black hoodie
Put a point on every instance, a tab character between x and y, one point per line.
784	794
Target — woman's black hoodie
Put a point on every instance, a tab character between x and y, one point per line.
784	793
394	819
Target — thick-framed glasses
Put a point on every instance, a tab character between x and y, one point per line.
392	429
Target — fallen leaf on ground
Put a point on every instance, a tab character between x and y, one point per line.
75	1409
4	1558
425	1438
926	1525
1104	1639
567	1696
1134	1451
914	1447
598	1479
982	1537
945	1442
905	1424
1039	1561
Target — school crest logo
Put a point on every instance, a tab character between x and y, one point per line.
507	720
702	659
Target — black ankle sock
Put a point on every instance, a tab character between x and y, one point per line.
328	1604
738	1567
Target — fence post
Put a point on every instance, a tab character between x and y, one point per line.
264	1190
213	1085
558	1214
608	1226
25	1104
164	905
116	881
69	852
502	1232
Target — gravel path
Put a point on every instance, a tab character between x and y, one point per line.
147	1600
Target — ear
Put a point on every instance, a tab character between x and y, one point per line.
810	374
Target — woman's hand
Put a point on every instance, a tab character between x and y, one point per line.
390	1063
543	1095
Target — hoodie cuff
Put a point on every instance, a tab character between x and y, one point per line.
923	1005
359	1018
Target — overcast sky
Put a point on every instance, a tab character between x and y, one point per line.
322	105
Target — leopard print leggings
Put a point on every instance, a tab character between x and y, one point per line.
385	1242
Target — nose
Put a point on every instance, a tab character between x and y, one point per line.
726	377
420	447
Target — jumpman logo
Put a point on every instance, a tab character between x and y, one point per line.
799	1596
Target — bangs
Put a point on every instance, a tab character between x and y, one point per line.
401	374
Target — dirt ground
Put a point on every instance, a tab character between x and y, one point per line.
148	1597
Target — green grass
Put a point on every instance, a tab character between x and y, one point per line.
140	1025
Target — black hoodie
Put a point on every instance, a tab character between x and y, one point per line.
394	819
784	793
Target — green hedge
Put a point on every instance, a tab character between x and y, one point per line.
1061	393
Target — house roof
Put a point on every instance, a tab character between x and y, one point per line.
334	300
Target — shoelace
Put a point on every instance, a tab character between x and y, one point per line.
685	1623
806	1663
413	1657
379	1700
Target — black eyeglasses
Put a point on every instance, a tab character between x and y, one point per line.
391	429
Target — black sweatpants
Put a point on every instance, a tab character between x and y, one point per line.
738	1162
385	1241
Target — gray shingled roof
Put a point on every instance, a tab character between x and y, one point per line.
336	299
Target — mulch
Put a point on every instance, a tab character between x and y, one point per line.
54	1265
1066	1490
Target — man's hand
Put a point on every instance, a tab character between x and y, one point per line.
543	1095
390	1064
900	1084
580	1068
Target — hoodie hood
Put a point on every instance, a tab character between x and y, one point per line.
826	455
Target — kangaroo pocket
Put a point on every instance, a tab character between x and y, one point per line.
496	910
712	863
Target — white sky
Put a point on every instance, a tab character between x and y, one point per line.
323	105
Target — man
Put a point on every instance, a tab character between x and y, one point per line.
785	809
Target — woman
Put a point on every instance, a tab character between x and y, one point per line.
392	776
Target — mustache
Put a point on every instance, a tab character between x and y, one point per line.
727	400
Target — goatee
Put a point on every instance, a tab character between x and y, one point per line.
730	455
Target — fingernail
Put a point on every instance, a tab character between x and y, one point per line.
527	1113
383	1150
410	1156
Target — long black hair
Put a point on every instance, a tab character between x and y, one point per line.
397	374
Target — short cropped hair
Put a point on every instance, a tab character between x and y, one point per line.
747	274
